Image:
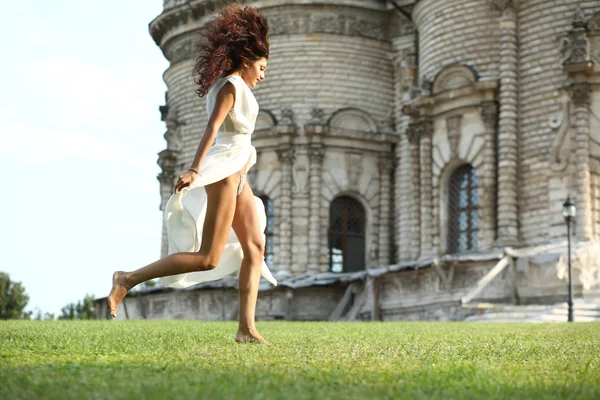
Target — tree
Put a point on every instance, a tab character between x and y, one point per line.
13	298
82	310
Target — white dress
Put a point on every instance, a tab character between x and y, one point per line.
185	211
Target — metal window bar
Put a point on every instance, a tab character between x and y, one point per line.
346	235
463	226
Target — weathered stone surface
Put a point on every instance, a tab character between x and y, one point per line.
395	106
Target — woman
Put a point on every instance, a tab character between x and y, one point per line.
214	222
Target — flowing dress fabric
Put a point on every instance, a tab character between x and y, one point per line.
186	210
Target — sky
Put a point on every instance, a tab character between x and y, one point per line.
79	135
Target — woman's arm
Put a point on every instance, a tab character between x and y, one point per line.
224	102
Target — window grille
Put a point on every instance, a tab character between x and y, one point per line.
346	235
463	202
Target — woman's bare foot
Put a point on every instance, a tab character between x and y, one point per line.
118	291
249	336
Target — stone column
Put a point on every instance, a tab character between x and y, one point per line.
426	188
405	65
507	128
581	103
415	207
283	258
487	177
385	164
316	153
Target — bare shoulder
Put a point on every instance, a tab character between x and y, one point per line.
226	95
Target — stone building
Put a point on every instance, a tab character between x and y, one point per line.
412	155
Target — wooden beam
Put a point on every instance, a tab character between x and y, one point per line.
343	303
359	301
375	306
513	281
483	282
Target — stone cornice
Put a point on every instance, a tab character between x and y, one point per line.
350	20
452	99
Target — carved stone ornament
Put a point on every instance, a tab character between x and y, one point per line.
317	116
387	123
173	133
581	94
351	119
579	21
353	169
287	116
454	127
575	48
579	49
326	22
593	28
559	153
453	77
300	171
504	4
426	87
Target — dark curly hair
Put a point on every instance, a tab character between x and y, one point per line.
235	37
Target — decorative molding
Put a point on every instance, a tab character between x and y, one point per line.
453	77
315	22
173	133
581	94
181	15
317	116
300	170
310	20
454	127
559	153
387	124
354	169
579	20
265	120
352	119
502	5
287	116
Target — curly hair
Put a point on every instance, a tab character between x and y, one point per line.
234	37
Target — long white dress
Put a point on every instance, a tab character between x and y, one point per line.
185	211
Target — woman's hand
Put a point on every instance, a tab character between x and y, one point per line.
185	179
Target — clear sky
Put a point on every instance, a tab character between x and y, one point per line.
79	135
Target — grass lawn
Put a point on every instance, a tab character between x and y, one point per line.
306	360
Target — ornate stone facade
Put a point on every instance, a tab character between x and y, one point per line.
362	101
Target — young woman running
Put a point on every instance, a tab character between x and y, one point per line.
214	222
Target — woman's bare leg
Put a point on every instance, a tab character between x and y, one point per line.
221	201
247	229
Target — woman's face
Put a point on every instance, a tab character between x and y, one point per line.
255	73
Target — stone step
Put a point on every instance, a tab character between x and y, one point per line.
577	312
563	318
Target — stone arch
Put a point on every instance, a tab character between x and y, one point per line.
593	24
352	119
371	237
265	120
454	77
347	234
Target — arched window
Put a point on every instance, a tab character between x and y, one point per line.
346	235
269	229
463	212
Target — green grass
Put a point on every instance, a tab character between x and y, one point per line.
307	360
